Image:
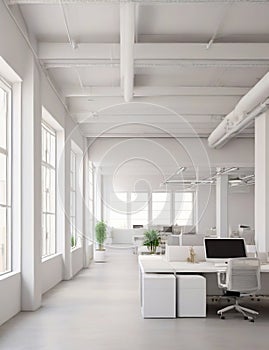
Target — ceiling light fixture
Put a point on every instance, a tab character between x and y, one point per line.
177	172
180	170
248	177
224	171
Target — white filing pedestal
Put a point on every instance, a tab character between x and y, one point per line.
191	296
158	295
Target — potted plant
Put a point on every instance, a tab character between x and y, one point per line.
73	241
100	236
152	240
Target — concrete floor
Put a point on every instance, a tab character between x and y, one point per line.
99	310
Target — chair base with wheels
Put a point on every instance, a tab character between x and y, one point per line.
242	278
242	310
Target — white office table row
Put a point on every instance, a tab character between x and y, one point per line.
158	264
170	289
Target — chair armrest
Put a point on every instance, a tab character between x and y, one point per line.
222	280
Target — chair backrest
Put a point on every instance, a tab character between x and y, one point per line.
243	275
173	240
192	239
248	235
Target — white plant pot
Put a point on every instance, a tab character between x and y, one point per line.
100	256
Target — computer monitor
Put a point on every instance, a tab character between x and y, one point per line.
222	249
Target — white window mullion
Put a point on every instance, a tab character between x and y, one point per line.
49	190
5	178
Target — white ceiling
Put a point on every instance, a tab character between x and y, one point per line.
192	58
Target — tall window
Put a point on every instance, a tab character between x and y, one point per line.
5	178
139	208
161	208
73	199
126	209
91	199
184	208
117	210
48	190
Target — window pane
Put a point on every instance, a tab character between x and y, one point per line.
184	208
3	118
118	220
183	197
140	218
3	184
48	191
3	240
161	204
5	261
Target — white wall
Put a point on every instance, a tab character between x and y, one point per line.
138	164
52	272
241	207
36	277
206	208
77	260
10	296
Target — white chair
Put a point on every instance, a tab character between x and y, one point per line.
241	278
248	235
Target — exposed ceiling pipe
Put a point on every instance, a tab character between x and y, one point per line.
250	106
55	2
122	43
128	50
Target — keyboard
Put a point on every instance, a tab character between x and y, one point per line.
220	264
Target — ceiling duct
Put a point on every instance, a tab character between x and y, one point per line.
249	107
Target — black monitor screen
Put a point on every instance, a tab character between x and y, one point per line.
224	248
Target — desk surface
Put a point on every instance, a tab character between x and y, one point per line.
155	264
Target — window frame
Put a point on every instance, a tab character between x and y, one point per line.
73	190
8	153
171	203
154	220
53	132
192	211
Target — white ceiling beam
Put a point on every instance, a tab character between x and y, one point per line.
103	118
56	2
156	51
63	51
198	51
141	91
161	65
127	24
88	133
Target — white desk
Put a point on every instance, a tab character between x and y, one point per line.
159	265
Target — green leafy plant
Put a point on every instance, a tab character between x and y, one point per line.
100	234
73	241
152	240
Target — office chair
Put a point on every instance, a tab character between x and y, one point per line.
241	278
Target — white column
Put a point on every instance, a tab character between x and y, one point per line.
86	216
222	206
262	182
31	191
67	257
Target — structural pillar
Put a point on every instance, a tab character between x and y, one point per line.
262	182
31	283
222	206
